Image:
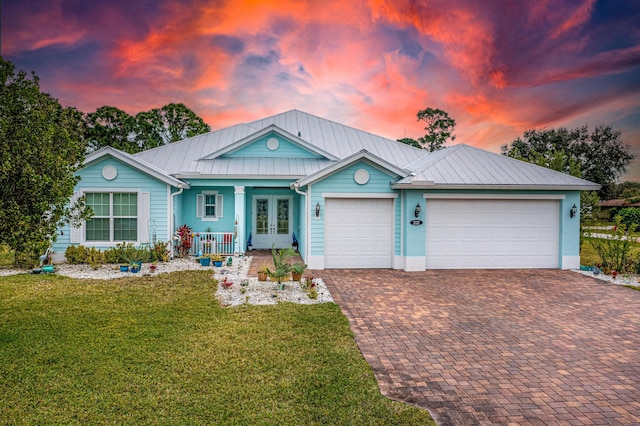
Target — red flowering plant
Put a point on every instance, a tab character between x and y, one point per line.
186	240
225	283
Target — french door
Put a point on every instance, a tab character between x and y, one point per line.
271	221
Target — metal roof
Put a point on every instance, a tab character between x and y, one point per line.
463	166
187	157
459	166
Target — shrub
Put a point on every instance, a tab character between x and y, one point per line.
630	215
614	251
186	240
95	258
76	254
160	251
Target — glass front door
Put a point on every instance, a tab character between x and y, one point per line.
271	221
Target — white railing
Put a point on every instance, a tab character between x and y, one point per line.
210	242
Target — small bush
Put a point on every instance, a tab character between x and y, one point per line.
95	258
160	252
614	251
76	254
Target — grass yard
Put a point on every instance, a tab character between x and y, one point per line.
159	350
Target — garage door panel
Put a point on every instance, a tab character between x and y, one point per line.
358	233
492	233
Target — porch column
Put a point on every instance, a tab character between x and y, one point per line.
240	209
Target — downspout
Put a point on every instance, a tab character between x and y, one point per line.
171	215
307	223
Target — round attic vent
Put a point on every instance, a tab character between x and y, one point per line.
109	172
273	144
361	176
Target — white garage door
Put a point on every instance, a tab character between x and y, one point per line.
358	233
492	234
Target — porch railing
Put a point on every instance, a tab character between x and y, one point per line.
211	242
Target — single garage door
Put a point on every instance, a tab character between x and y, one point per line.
358	233
492	233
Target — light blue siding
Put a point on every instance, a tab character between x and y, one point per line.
189	217
286	149
343	182
130	179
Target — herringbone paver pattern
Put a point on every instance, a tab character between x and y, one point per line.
500	346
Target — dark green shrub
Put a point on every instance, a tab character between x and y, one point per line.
630	215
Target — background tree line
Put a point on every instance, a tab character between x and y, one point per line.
111	126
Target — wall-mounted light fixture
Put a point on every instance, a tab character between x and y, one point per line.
573	211
318	209
417	211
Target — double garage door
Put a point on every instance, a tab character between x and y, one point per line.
460	233
492	234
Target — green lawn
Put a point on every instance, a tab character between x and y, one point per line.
159	350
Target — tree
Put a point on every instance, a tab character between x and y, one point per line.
600	156
41	146
439	127
171	123
111	126
410	141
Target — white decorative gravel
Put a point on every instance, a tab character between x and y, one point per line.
254	292
620	280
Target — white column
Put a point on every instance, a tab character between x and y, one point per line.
240	208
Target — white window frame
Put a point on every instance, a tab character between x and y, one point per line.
112	218
79	235
201	206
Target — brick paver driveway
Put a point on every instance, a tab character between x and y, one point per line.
498	346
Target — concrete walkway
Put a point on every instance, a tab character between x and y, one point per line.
498	347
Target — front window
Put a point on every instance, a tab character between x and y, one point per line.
115	217
210	205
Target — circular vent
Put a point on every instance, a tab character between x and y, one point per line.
361	176
109	172
273	144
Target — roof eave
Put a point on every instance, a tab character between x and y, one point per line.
200	176
360	155
135	163
430	185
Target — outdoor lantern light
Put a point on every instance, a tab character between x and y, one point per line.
317	209
417	210
573	211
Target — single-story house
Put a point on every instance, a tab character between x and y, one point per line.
348	198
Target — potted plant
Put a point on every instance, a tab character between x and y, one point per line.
297	269
205	260
264	270
124	267
134	267
217	259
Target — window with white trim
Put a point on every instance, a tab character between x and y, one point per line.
209	205
115	216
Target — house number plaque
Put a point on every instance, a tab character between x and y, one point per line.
416	222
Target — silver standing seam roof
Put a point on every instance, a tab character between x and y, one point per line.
457	167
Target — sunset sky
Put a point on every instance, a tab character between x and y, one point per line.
497	67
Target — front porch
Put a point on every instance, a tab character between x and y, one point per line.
233	219
200	243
